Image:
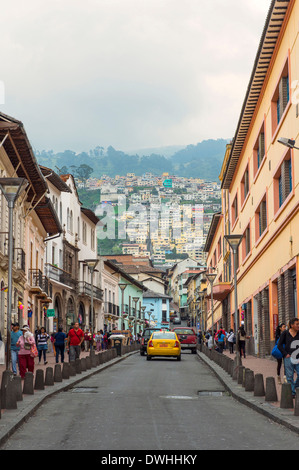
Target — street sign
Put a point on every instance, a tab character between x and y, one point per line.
50	312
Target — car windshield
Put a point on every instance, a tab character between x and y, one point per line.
148	333
184	331
164	335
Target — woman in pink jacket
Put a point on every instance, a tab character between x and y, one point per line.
26	361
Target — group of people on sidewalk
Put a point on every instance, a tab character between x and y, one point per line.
26	346
286	350
221	340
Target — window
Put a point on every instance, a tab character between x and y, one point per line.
245	185
281	98
283	181
246	243
235	213
261	218
259	150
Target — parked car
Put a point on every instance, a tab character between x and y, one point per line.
187	338
144	339
177	321
165	344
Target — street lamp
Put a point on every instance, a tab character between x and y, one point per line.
290	143
122	287
234	242
143	313
11	188
211	278
201	297
91	263
135	299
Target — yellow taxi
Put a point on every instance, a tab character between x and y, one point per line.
163	344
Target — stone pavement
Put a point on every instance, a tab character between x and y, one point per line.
266	367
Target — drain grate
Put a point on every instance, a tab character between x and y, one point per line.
84	390
210	393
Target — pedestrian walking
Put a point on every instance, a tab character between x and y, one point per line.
53	343
242	341
25	342
14	349
74	341
288	346
231	339
59	343
279	330
42	345
98	340
87	340
221	341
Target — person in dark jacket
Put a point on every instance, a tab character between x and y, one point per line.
59	342
288	346
279	330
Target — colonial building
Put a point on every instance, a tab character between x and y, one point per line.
260	190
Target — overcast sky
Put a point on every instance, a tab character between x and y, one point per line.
127	73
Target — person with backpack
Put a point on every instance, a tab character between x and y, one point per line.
278	356
59	342
288	346
242	340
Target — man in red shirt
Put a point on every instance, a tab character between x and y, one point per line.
74	341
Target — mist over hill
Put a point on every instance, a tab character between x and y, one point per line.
203	160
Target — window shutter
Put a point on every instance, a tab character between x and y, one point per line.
284	96
246	184
261	150
263	217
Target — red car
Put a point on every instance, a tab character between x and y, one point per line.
187	338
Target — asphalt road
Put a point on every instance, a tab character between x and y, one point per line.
149	405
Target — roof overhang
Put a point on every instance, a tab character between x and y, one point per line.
213	227
269	40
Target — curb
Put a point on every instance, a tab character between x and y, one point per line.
29	404
285	418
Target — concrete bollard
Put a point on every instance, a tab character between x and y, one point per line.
296	407
237	365
240	375
11	394
57	373
93	359
6	376
259	388
28	388
286	400
249	380
72	369
19	393
83	364
49	378
39	380
271	393
78	366
88	363
244	372
66	370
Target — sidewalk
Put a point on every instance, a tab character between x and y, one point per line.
268	368
51	359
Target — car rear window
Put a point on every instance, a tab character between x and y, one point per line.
148	333
184	331
164	335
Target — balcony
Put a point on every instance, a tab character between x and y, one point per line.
220	291
111	309
59	275
40	285
84	288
